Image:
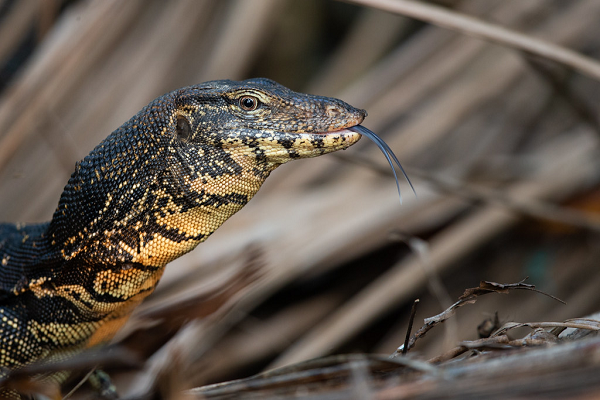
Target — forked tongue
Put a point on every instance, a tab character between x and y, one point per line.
387	152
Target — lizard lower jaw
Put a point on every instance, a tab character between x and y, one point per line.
326	142
338	139
349	135
290	146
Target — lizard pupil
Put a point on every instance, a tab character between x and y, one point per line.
249	103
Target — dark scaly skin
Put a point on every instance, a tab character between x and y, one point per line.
150	192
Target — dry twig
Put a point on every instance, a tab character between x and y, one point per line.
485	30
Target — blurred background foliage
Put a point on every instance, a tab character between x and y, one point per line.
502	148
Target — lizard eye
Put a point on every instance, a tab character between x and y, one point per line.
249	103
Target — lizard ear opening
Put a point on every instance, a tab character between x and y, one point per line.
183	129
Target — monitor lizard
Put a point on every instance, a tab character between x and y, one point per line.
150	192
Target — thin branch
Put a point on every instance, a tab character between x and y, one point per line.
470	296
413	311
469	25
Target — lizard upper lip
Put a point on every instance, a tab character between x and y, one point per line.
347	130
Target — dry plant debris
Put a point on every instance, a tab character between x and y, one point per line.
397	376
468	297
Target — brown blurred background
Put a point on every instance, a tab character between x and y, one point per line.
502	148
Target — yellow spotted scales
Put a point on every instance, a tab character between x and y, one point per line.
150	192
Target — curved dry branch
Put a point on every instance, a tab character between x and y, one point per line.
472	26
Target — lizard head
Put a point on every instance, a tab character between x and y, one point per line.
263	120
171	175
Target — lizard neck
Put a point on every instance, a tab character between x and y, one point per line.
177	203
203	204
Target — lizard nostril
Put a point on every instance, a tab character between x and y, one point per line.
332	111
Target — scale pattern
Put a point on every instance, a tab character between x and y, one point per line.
150	192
